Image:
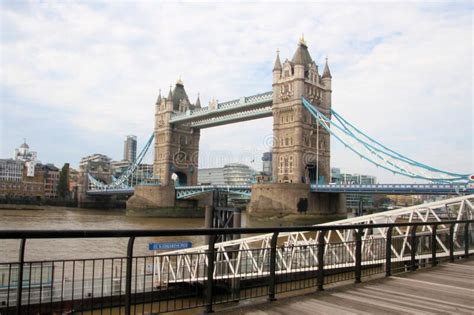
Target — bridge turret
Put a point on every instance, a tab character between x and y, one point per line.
301	62
326	81
158	100
169	100
277	68
327	77
198	102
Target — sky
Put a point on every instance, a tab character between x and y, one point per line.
77	77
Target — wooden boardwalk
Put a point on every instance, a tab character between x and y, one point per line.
445	289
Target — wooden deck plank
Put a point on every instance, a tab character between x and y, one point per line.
445	289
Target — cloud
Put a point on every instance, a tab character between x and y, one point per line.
401	71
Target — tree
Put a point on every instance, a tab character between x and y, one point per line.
63	183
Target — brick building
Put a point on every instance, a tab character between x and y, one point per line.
51	179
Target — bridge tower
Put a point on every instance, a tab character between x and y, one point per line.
176	147
176	152
301	148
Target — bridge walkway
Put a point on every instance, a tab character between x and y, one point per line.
444	289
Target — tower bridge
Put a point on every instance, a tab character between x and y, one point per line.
304	121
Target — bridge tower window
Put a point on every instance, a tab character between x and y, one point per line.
281	164
291	164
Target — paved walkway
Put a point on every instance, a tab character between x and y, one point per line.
445	289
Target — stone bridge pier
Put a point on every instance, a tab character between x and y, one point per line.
287	198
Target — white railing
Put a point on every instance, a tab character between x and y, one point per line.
250	258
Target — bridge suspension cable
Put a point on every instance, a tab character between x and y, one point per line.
378	154
129	177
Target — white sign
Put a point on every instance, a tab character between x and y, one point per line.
30	168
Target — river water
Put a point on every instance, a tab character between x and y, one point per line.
80	219
78	268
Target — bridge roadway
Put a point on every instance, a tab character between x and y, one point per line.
183	192
445	289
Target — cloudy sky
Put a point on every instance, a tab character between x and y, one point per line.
76	77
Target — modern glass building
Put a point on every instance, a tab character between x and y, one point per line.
267	163
354	201
130	148
238	174
211	176
230	174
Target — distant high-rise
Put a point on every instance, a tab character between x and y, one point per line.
267	163
130	149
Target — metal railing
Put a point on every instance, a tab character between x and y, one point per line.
438	189
144	284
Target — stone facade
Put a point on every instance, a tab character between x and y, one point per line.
149	196
285	198
176	147
301	148
160	201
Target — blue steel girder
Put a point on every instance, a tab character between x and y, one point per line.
183	192
396	189
243	109
110	192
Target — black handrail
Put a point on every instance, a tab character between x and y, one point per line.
276	231
35	234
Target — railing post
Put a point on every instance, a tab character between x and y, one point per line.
451	242
413	248
358	256
210	273
271	285
388	252
321	247
128	276
466	240
433	245
19	289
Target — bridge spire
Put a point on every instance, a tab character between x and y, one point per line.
302	56
326	72
198	102
158	101
170	94
277	66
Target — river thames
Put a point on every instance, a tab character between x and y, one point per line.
84	219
